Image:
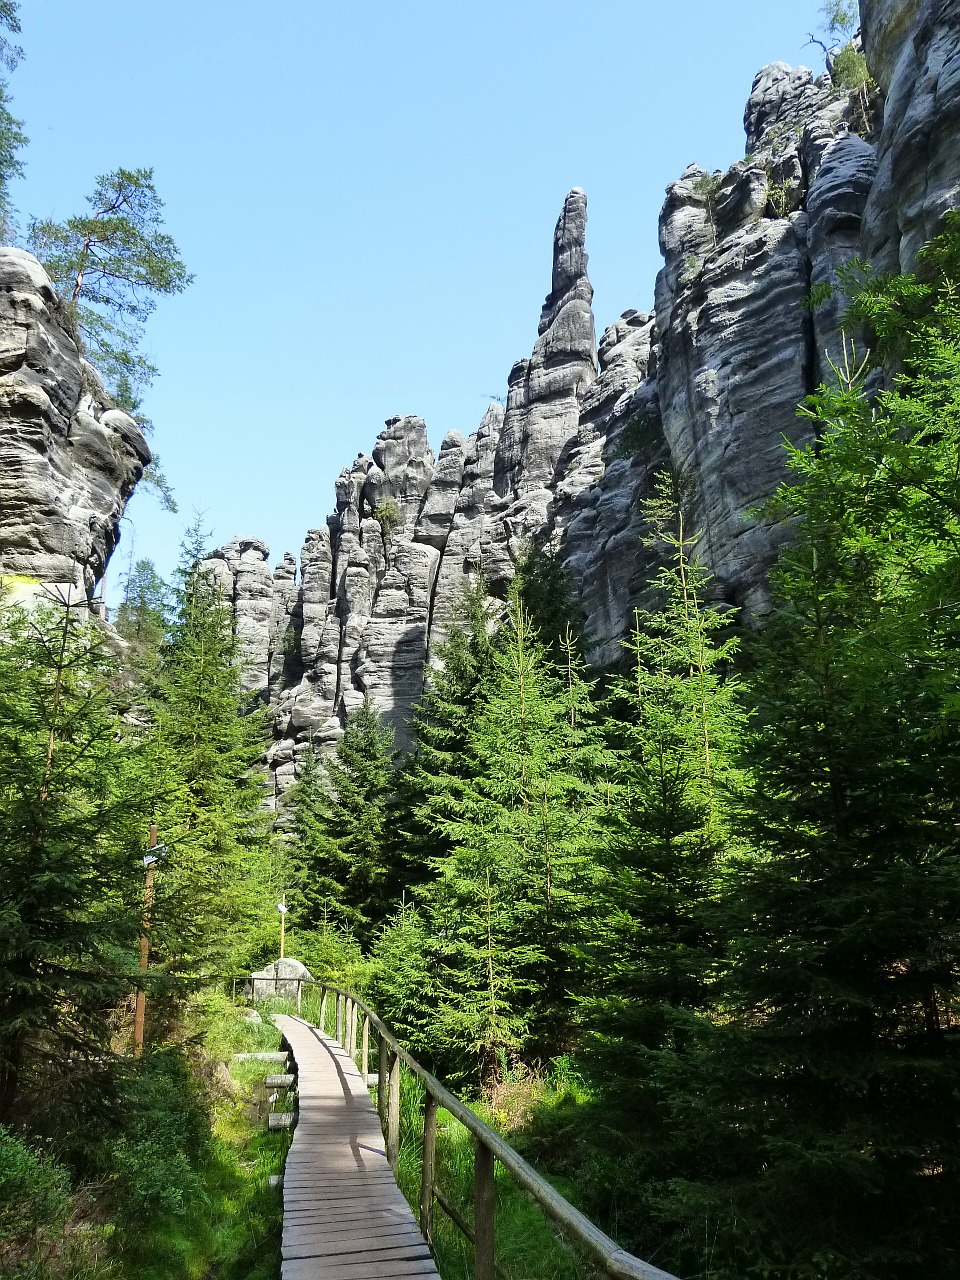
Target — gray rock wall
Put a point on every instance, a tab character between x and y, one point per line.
708	383
68	460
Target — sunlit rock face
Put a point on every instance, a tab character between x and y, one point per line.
913	49
69	460
706	382
739	347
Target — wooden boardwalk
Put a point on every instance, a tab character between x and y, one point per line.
344	1217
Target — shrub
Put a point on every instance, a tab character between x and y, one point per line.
387	513
34	1199
849	71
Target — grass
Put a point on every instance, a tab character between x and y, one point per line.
527	1246
173	1208
231	1230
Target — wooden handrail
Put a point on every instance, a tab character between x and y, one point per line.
490	1146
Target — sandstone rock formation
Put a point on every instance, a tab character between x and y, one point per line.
69	460
708	383
913	50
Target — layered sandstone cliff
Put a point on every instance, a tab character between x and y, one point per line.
706	382
69	459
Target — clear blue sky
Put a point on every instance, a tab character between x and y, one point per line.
367	193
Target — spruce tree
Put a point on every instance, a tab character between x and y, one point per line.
441	724
341	852
73	825
677	726
215	889
822	1123
509	900
142	616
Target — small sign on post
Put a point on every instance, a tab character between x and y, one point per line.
282	908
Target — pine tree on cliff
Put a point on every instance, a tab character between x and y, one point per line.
342	859
109	265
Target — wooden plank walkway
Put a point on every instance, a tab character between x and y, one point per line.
344	1217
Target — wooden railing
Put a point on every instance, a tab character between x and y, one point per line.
352	1018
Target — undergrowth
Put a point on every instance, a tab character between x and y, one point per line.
168	1182
527	1247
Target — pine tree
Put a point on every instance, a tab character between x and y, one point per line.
509	899
677	726
822	1123
215	891
72	828
342	864
109	265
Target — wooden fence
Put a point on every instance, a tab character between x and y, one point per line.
355	1020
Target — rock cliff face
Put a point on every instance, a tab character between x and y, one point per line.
707	383
68	460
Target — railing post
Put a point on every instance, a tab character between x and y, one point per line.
484	1202
382	1071
393	1111
323	1010
340	1019
365	1047
427	1175
299	991
351	1042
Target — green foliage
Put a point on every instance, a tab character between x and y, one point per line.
676	723
827	1071
109	265
155	1162
841	18
34	1200
388	515
72	824
782	198
507	904
849	70
544	587
401	978
142	616
12	138
215	892
705	187
340	853
692	266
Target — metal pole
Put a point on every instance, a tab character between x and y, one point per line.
283	921
139	1013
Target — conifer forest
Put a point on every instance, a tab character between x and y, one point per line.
682	926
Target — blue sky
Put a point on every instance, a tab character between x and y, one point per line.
366	195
